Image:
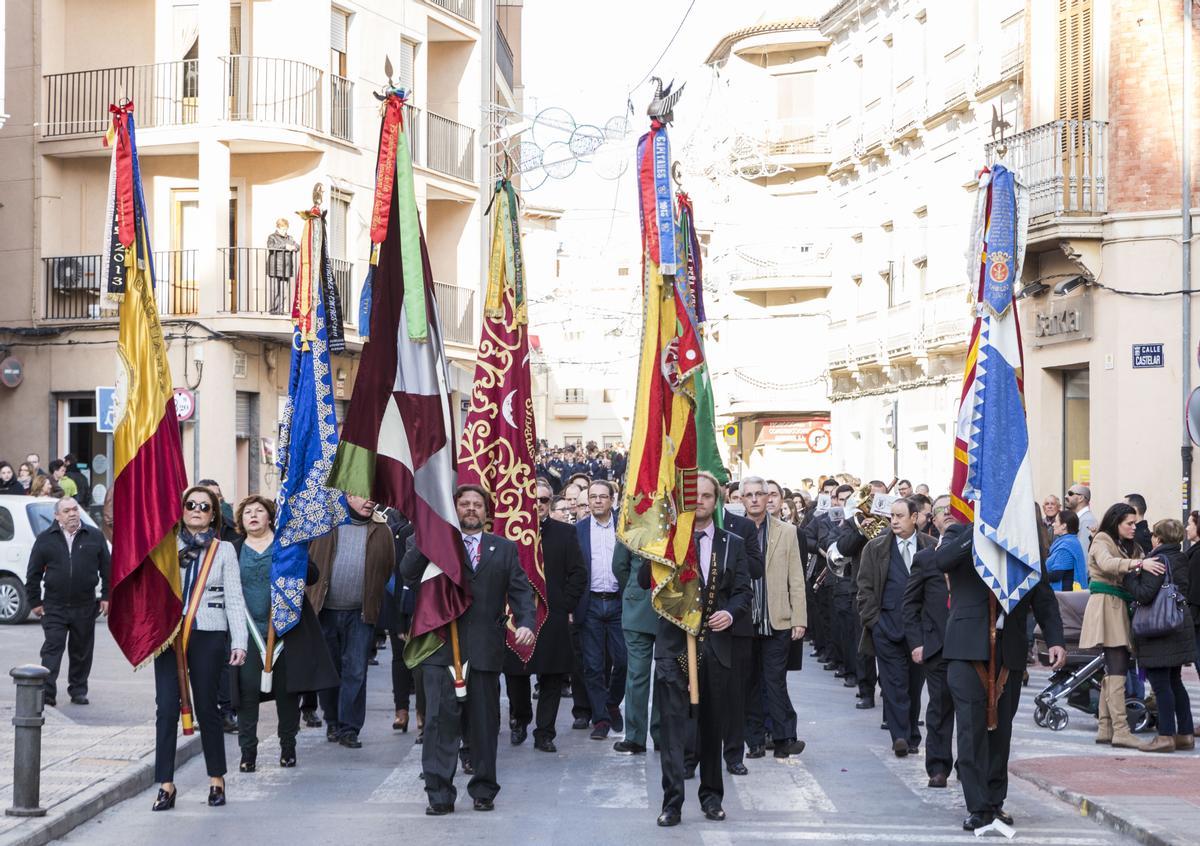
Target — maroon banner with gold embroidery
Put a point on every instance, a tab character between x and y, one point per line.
497	446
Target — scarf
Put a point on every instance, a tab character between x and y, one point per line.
189	556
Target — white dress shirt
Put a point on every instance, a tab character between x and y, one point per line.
604	543
704	542
908	548
473	542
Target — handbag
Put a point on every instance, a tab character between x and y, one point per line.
1164	614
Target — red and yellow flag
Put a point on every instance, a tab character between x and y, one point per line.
148	473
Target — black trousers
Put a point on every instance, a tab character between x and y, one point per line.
816	619
670	690
520	701
900	679
864	665
71	628
287	704
207	658
982	754
405	682
444	729
581	705
844	617
767	689
939	718
735	713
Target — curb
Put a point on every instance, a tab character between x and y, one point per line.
1106	814
81	807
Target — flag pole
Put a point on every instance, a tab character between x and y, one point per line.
270	649
460	683
185	699
693	677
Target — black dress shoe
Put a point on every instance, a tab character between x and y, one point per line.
79	700
937	780
866	703
331	734
840	673
849	681
165	800
311	719
350	740
581	723
519	733
248	764
787	748
49	701
467	768
229	724
977	820
756	752
484	805
668	818
715	813
689	773
438	809
618	722
900	747
544	745
628	747
737	768
1003	816
216	796
287	756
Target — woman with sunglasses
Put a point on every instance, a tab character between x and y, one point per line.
213	612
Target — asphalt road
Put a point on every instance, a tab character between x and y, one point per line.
847	787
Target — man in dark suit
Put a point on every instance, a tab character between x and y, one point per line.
858	669
599	613
925	607
882	576
743	638
496	579
983	754
566	579
725	597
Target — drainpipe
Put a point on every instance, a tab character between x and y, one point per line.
1186	215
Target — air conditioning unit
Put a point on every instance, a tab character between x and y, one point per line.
69	275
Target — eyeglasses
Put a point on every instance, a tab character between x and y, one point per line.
543	500
202	507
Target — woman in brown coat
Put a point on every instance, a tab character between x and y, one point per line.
1112	555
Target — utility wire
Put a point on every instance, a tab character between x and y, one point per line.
654	67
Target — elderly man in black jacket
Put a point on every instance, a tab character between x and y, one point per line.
496	579
66	563
725	580
566	580
983	754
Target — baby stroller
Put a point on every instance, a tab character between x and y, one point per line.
1077	684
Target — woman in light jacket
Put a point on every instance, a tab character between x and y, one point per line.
1066	564
213	611
1112	554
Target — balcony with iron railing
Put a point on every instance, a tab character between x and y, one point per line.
456	313
504	58
449	147
789	143
259	282
775	267
1063	164
71	285
282	93
464	9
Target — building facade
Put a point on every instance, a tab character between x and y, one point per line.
241	111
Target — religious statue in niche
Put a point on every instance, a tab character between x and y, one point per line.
281	265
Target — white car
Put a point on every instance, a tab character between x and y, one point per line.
22	519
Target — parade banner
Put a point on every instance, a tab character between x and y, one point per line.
657	510
148	471
499	440
307	508
993	480
397	446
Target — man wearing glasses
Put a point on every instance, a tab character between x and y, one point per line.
560	510
1079	500
599	613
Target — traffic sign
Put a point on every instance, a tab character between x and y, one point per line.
185	404
106	410
731	434
818	440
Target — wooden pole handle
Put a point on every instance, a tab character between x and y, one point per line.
185	699
454	649
693	671
268	659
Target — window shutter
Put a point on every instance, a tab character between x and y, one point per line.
407	61
337	30
1074	88
242	414
339	214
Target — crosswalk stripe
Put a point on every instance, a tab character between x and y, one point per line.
403	783
911	772
793	790
613	781
743	835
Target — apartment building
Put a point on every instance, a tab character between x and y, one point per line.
1101	151
858	185
242	108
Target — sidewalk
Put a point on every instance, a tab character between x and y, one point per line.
1155	799
85	769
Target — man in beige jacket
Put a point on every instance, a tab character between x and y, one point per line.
779	616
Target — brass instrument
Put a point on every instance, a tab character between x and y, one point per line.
870	525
